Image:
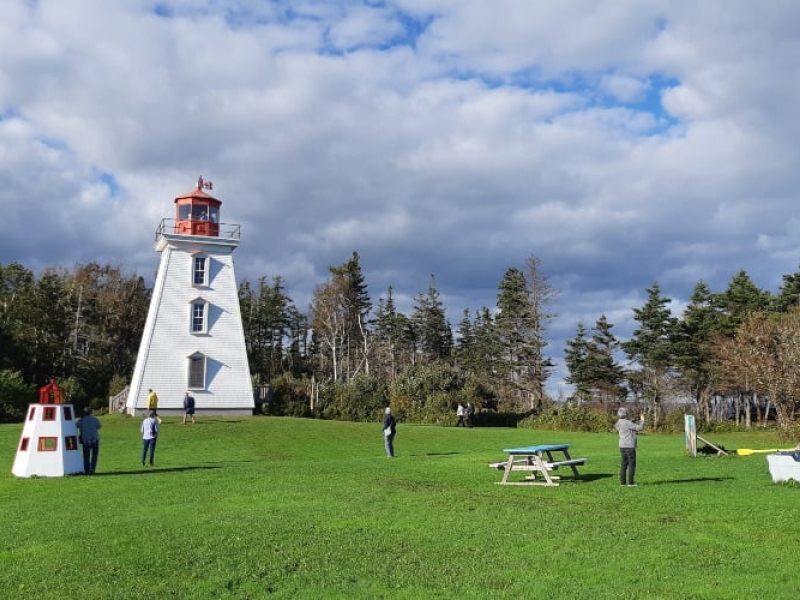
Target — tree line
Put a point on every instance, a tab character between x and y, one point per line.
731	353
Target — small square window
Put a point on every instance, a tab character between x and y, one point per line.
71	442
23	446
49	413
48	444
31	413
68	413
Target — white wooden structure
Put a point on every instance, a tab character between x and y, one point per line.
48	446
193	338
784	466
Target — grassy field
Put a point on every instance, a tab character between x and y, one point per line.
290	508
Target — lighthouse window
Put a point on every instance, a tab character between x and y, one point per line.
197	372
199	312
200	270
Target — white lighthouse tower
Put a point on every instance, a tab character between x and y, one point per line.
193	338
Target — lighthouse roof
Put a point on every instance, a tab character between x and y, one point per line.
196	193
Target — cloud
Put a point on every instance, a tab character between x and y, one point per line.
621	142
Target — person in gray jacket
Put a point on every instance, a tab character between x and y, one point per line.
628	431
149	431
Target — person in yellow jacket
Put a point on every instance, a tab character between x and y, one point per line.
152	403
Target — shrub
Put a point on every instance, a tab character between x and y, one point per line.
418	385
15	396
491	418
570	417
290	398
360	399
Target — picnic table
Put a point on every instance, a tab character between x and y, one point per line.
538	460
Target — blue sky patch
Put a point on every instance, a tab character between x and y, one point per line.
111	183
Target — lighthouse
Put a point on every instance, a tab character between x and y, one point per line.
48	446
193	340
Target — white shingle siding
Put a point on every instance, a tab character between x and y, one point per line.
167	341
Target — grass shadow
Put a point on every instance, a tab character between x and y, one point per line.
693	480
592	476
211	420
141	470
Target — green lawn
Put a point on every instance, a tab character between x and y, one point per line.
292	508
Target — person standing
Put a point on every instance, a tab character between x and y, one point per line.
88	426
470	414
628	433
149	436
152	403
460	415
389	431
188	407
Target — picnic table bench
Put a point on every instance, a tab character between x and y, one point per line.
537	459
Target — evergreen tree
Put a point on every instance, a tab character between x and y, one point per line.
269	319
605	374
789	294
652	347
477	348
523	316
591	363
433	334
576	358
701	322
297	357
740	300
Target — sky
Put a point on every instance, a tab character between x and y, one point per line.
621	142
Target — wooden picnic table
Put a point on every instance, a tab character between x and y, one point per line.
538	460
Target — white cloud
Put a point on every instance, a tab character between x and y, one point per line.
621	142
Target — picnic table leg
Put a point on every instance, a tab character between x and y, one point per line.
573	467
540	463
509	466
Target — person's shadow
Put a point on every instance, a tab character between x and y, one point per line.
151	470
692	480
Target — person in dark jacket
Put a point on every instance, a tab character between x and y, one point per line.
470	414
188	407
88	425
628	431
389	430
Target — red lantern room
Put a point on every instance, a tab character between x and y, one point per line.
197	213
50	393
